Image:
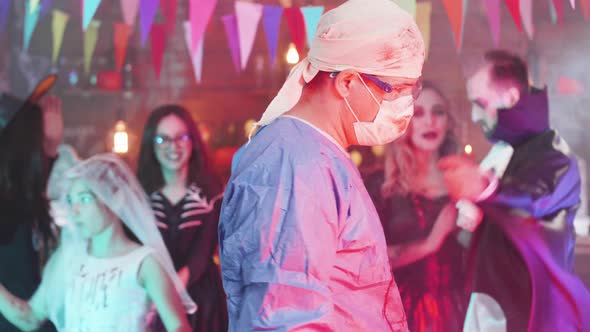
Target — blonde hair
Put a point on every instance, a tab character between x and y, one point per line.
401	166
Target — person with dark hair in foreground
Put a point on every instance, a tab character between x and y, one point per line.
521	267
30	132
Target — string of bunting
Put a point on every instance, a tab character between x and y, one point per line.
241	27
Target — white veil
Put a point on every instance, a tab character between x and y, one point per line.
111	180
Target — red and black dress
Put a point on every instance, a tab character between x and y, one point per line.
189	230
432	289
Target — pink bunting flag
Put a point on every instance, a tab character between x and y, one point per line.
147	13
158	37
552	12
526	12
129	9
296	25
585	8
200	13
493	11
573	4
230	22
514	9
170	14
122	32
558	6
196	57
248	15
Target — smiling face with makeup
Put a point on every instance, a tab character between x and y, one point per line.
429	126
172	144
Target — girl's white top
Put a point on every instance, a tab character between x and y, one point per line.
105	294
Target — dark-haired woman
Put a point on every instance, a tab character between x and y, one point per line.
29	138
186	199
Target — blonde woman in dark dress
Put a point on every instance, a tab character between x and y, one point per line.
419	219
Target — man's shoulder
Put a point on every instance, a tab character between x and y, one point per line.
287	139
543	165
548	148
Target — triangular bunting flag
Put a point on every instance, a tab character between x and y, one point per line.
423	14
248	15
31	19
90	38
170	14
158	36
492	8
271	21
455	12
230	23
45	7
526	11
129	9
196	57
407	5
558	5
147	13
573	4
33	4
586	8
296	25
200	13
122	32
89	8
514	9
463	19
4	10
58	26
552	12
311	16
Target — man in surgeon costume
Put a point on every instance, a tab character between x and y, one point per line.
522	265
301	245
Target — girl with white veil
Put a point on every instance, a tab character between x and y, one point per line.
111	265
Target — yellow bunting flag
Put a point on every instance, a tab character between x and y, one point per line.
58	26
90	38
423	14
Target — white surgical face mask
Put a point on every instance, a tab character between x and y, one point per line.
391	121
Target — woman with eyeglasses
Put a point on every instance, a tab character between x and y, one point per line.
186	199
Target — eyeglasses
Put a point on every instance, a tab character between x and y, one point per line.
163	140
386	87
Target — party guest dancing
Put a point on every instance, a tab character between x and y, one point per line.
419	218
522	273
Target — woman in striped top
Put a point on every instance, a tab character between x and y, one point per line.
186	200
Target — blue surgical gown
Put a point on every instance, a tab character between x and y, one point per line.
301	245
